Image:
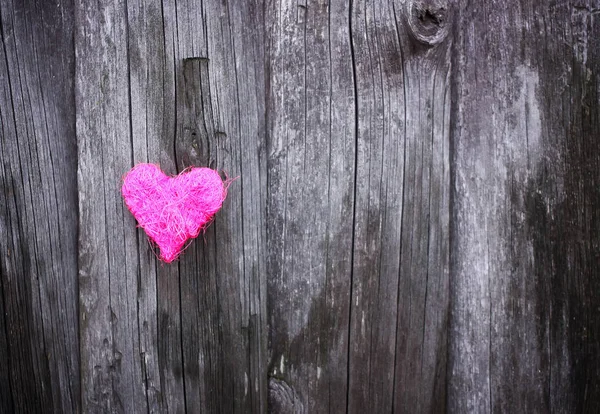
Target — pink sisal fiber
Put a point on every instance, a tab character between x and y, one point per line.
172	209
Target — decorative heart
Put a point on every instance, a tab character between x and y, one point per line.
172	209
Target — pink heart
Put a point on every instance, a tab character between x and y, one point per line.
172	209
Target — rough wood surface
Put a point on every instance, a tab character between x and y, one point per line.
310	180
400	267
414	224
39	363
525	223
177	85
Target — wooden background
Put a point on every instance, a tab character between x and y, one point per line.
415	226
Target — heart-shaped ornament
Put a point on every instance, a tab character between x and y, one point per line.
172	209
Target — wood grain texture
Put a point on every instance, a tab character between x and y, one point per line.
177	84
38	209
112	378
524	335
413	224
400	269
311	140
353	97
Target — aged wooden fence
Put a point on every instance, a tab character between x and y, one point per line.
415	226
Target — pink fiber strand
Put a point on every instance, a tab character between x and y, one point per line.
173	209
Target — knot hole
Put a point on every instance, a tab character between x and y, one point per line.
428	20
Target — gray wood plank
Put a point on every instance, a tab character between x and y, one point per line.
525	275
38	202
177	84
111	355
311	140
151	94
221	122
400	267
233	92
153	73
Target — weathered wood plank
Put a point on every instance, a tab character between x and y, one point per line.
202	339
369	83
221	101
152	29
178	85
400	268
237	84
525	223
151	91
38	205
311	153
112	376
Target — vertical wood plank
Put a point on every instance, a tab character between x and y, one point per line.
311	156
400	269
192	84
202	339
112	377
38	203
152	109
221	125
524	326
236	81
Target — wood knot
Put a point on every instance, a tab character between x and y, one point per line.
428	20
283	398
